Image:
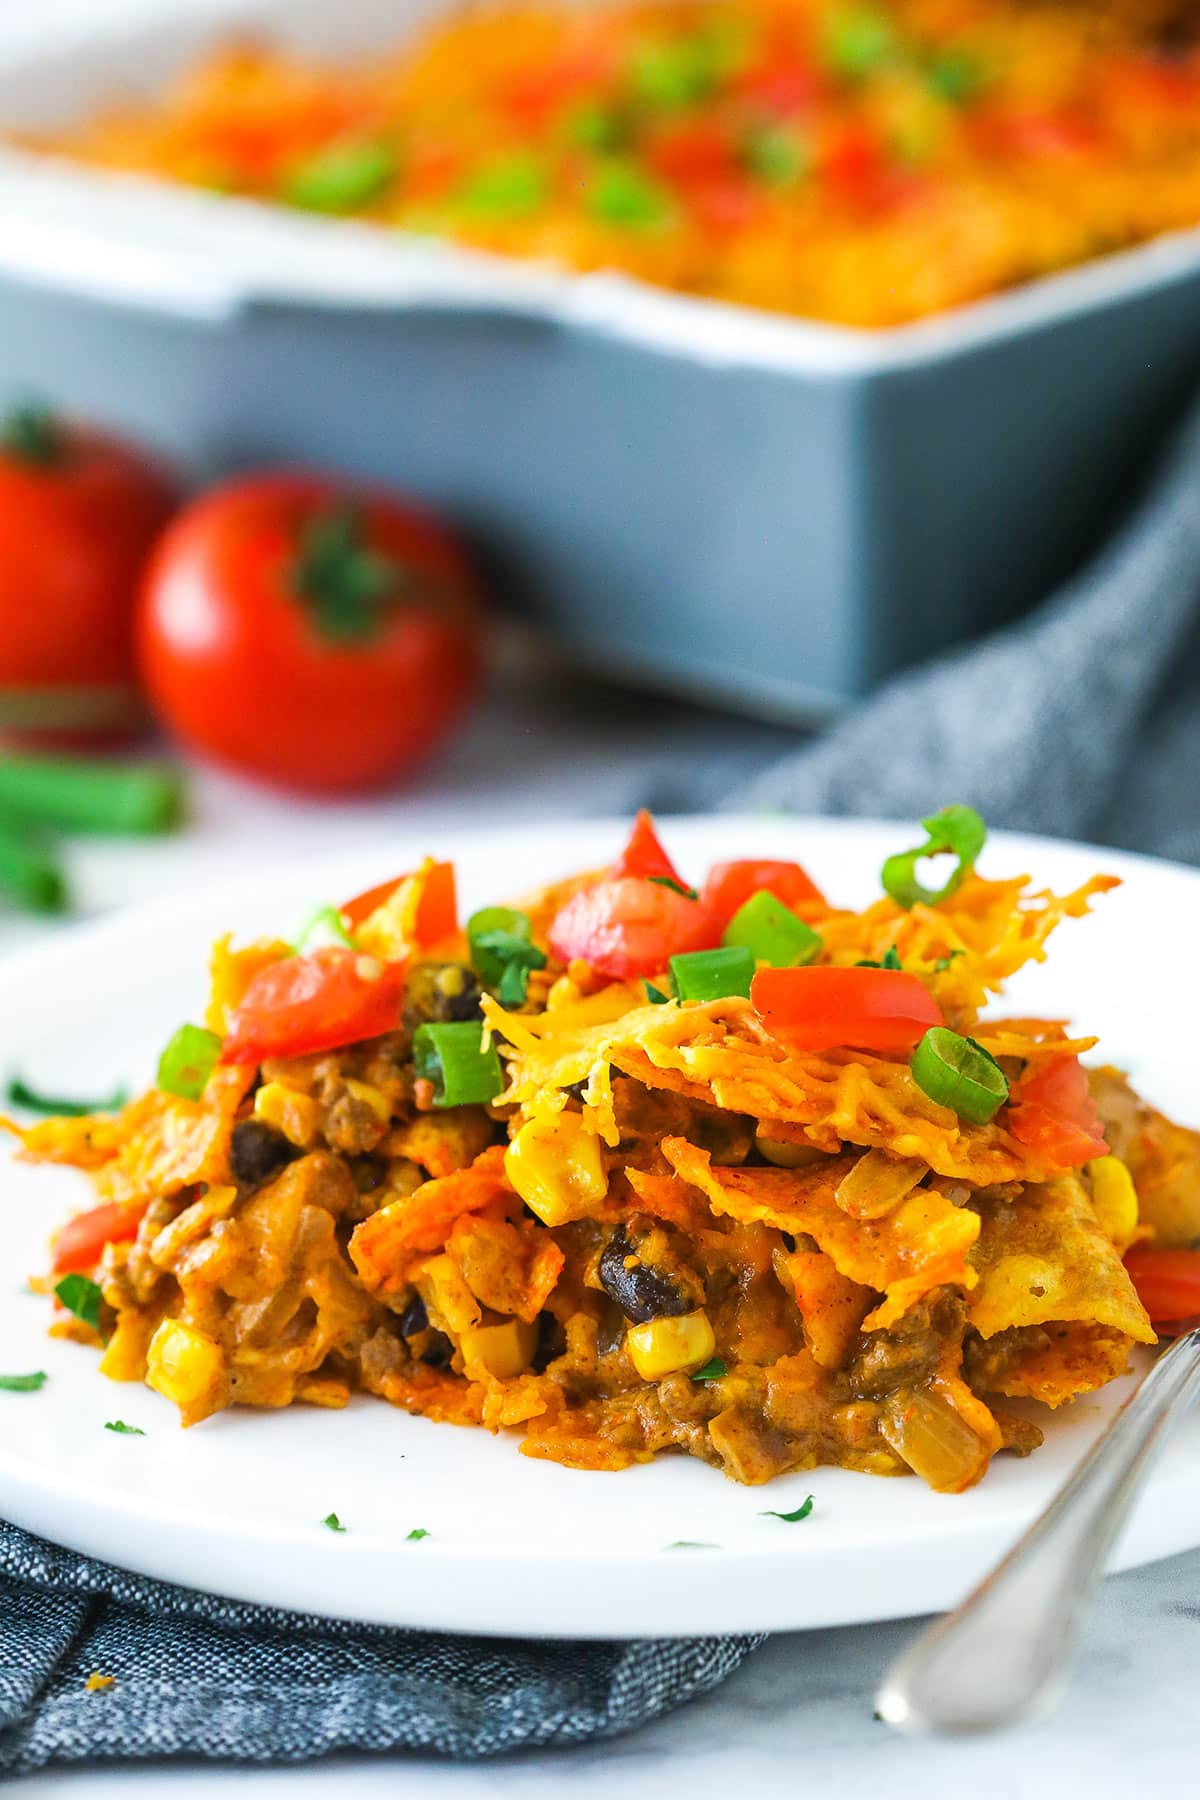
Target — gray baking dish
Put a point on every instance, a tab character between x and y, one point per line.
760	510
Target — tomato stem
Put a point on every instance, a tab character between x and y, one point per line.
344	584
34	435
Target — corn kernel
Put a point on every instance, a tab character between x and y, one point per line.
124	1356
370	1096
1115	1199
502	1350
448	1300
183	1365
661	1346
296	1115
557	1167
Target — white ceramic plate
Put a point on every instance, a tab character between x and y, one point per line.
514	1546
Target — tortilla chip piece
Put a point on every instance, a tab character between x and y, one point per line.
383	1246
923	1244
1042	1258
1052	1363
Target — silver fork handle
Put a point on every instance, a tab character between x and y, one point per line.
1003	1655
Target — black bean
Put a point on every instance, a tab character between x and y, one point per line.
414	1318
551	1342
640	1291
438	1351
441	994
257	1151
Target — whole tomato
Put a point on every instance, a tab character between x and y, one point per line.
317	635
79	512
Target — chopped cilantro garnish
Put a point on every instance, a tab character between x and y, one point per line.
713	1370
676	887
23	1384
891	960
124	1430
416	1534
792	1518
81	1296
333	1522
943	962
654	995
19	1093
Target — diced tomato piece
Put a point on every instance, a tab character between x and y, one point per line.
629	926
782	88
80	1244
437	909
317	1002
644	854
731	884
1053	1113
885	1010
726	206
1167	1282
1012	132
532	95
698	150
856	167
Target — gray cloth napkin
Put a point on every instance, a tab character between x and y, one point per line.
1082	720
197	1676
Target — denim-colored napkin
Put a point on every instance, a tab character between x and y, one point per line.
196	1676
1081	721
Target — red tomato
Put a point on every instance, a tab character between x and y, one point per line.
79	512
828	1009
629	926
1053	1113
644	853
1167	1282
309	1003
80	1244
782	88
694	150
437	908
319	636
731	884
856	166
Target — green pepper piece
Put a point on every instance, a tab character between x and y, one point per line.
187	1062
341	178
773	933
712	974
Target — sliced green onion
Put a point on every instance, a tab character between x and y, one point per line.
959	1073
452	1057
956	76
590	126
29	875
654	995
505	187
858	44
674	74
81	1296
323	930
958	830
776	156
70	794
187	1062
773	933
23	1384
622	194
341	178
54	1106
712	974
502	951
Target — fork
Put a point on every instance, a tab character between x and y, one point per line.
1003	1655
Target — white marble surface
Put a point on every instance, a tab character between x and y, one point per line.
796	1722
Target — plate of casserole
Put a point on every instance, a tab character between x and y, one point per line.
600	1231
